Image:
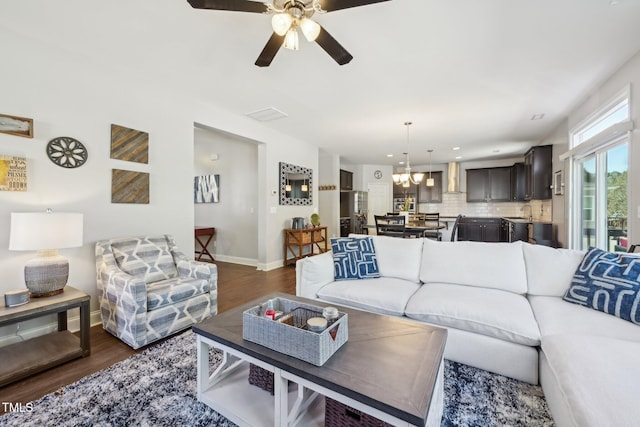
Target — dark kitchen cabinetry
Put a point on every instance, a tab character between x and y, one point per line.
538	175
346	180
511	231
401	192
489	185
518	182
479	229
430	194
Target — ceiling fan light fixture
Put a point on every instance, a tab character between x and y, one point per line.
291	39
281	23
310	29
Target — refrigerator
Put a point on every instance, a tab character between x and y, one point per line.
353	212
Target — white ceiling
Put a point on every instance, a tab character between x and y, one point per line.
467	73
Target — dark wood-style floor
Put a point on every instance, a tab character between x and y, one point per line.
237	284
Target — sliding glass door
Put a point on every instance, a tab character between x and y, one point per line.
602	196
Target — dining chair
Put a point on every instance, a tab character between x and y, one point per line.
634	249
432	220
454	229
390	225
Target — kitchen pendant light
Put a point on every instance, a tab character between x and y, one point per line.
407	178
430	181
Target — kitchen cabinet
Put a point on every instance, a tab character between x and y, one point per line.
400	192
489	185
479	229
430	194
541	233
346	180
518	182
538	175
511	231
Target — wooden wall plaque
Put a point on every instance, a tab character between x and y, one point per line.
129	144
129	187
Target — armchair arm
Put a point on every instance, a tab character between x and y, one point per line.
192	268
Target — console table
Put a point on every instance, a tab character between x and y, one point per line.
208	232
296	240
37	354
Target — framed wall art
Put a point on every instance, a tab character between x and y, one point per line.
206	189
13	173
14	125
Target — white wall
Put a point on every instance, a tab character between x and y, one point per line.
235	217
70	95
629	73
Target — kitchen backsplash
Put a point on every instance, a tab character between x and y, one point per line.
456	203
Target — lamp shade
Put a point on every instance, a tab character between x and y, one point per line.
35	231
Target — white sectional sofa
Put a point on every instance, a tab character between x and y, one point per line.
502	305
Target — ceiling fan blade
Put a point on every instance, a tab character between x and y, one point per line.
270	50
331	5
333	48
233	5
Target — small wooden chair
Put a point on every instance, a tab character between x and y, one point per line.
432	220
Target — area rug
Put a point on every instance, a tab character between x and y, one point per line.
157	388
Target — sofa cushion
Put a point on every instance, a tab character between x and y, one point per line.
490	312
171	291
608	282
386	295
556	316
484	265
318	269
597	378
399	258
354	258
146	258
550	270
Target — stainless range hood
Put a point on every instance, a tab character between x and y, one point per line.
453	177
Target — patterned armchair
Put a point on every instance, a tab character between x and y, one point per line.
148	289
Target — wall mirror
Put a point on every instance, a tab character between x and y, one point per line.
296	183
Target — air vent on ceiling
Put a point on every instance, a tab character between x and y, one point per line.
267	114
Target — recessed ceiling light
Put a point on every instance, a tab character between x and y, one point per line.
455	148
458	157
537	117
401	162
389	155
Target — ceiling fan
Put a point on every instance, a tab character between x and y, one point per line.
288	16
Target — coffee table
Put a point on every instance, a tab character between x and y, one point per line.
390	368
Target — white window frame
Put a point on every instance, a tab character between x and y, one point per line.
616	134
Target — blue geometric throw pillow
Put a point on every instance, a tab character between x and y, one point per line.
608	282
354	258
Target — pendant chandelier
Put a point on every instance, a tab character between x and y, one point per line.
430	181
407	178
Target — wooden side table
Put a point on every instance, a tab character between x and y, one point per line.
295	240
37	354
208	232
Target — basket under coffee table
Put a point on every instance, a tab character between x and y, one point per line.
389	368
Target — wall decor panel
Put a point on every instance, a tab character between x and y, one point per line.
129	144
129	187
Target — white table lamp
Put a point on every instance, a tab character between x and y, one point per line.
45	232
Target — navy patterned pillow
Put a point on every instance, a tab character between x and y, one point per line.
608	282
354	258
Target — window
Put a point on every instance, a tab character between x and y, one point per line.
599	159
